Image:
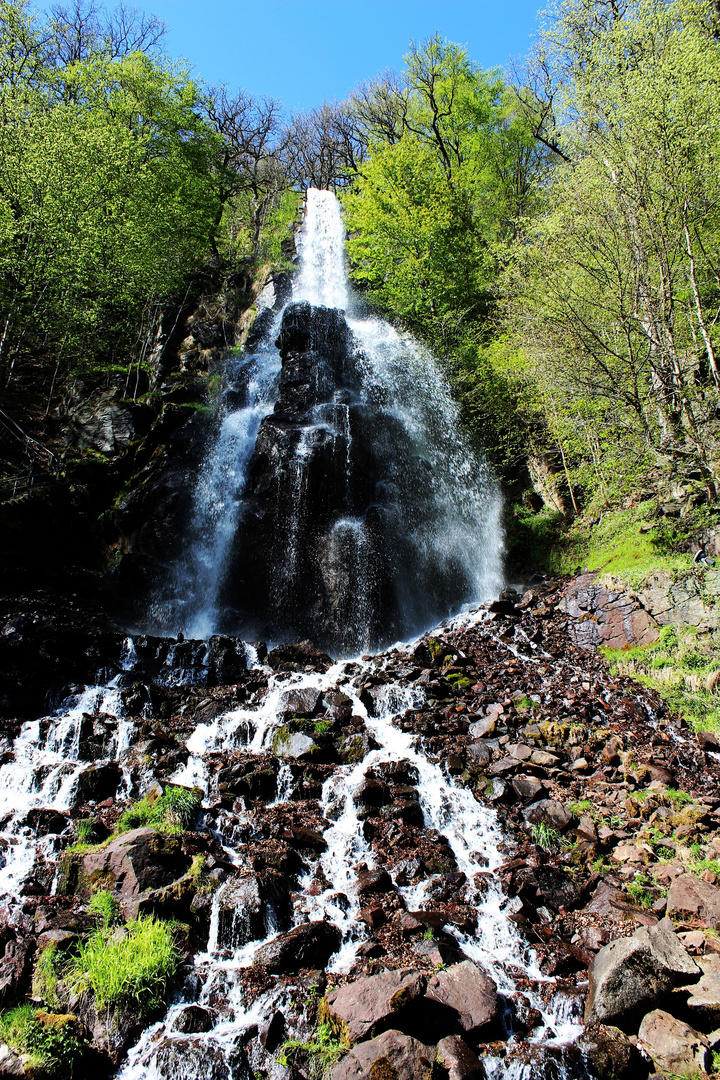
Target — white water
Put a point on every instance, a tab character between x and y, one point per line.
43	774
473	833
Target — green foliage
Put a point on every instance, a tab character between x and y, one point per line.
198	872
699	866
175	810
612	289
85	831
319	1054
53	1043
547	838
45	976
105	907
131	966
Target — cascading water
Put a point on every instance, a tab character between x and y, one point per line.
339	499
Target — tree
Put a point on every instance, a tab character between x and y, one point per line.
616	297
429	210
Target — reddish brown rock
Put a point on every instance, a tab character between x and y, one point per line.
458	1059
392	1054
469	992
690	896
134	863
366	1005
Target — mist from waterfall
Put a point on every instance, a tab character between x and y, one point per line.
435	505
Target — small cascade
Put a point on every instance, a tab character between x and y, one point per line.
244	921
48	760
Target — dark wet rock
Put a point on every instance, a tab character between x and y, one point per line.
367	1005
673	1045
458	1060
194	1058
479	753
528	788
548	812
249	906
298	657
309	945
610	1054
99	782
391	1056
373	881
469	992
302	702
46	822
136	862
630	975
15	966
194	1019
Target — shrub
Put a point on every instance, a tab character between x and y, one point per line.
134	965
54	1044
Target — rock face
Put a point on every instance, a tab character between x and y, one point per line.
392	1056
619	618
630	975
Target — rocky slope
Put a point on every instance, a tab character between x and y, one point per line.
382	843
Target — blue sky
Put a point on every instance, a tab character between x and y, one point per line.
306	51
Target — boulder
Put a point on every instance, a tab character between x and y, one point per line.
691	896
99	782
458	1060
134	863
373	881
673	1045
367	1005
527	788
391	1056
611	1055
298	656
309	945
703	1003
632	974
302	702
548	812
293	744
194	1019
469	992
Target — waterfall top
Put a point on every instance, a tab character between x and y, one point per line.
323	279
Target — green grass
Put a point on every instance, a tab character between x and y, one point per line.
177	809
134	966
105	907
683	666
547	838
320	1053
617	547
54	1044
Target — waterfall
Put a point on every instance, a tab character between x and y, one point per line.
339	498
